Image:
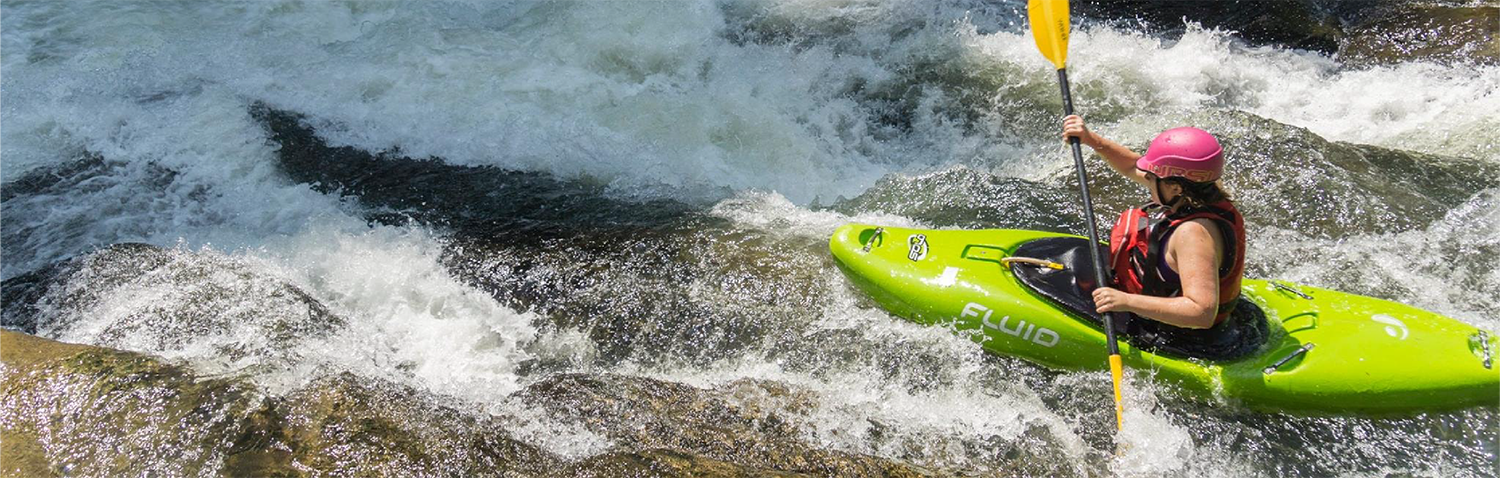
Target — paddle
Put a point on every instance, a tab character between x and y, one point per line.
1049	24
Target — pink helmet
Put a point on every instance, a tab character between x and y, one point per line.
1187	152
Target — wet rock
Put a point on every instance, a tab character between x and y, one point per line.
346	425
352	426
89	411
1398	33
644	416
1302	24
663	463
143	297
667	463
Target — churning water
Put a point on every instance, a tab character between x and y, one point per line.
695	157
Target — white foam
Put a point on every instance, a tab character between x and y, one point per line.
409	319
635	94
1417	105
219	312
772	212
564	437
629	93
405	318
194	167
1150	444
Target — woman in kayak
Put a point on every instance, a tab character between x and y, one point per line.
1179	258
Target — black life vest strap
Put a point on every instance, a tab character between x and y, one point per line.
1155	228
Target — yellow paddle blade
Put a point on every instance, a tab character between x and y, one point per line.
1049	24
1115	370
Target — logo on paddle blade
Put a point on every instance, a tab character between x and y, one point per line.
1025	331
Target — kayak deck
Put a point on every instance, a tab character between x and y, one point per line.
1067	282
1326	351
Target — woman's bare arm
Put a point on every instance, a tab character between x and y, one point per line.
1120	158
1194	248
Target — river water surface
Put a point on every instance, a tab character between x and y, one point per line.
646	189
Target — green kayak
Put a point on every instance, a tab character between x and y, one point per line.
1307	349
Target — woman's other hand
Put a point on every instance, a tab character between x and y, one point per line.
1107	299
1073	127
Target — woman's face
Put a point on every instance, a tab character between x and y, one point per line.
1158	188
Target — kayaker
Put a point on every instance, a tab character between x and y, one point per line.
1179	258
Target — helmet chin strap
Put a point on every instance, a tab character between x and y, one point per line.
1161	195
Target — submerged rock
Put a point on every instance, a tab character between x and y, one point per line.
969	198
1303	24
44	217
1404	32
681	430
1290	178
348	425
485	202
1279	175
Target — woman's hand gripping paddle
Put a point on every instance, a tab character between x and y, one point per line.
1049	24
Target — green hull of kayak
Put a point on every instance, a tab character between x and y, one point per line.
1360	354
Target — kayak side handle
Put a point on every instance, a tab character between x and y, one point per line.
1295	353
1287	288
1312	322
879	231
1480	342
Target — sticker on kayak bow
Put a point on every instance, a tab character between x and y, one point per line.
1393	326
918	247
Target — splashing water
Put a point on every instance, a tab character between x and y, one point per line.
775	122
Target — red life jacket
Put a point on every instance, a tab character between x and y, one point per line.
1137	245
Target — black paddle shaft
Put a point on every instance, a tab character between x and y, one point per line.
1100	275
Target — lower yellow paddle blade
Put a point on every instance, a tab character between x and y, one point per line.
1049	24
1115	370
